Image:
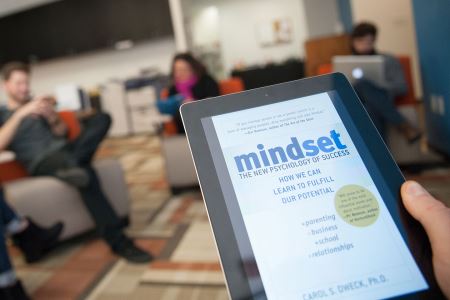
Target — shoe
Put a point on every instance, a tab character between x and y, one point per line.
75	176
128	250
411	133
35	241
14	292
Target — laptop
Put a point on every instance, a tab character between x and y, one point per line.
356	67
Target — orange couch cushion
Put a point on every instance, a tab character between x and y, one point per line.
73	125
324	69
11	170
231	85
169	127
410	97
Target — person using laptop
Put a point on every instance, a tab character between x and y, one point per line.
31	128
378	98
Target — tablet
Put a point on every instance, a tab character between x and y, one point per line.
303	195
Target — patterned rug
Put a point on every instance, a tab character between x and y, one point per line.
174	228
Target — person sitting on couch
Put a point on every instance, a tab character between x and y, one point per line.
379	100
191	80
33	240
32	129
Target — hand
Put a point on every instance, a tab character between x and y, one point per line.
33	107
435	218
46	108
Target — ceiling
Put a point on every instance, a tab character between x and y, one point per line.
8	7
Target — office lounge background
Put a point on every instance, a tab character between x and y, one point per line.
228	28
225	35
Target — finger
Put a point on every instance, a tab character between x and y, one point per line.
38	99
431	213
42	102
40	110
44	107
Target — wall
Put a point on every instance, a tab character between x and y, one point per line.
238	21
177	16
345	14
91	69
396	28
231	24
205	26
322	18
237	28
433	32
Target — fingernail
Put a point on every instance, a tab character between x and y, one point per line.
415	189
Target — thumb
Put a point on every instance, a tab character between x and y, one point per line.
432	214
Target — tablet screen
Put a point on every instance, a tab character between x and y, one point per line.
313	213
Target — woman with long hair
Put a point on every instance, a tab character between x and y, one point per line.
191	80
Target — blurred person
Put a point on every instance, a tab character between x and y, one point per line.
191	80
379	99
32	129
33	240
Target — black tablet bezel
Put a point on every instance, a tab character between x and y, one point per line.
381	163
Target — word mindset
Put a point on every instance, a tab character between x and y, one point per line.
293	151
